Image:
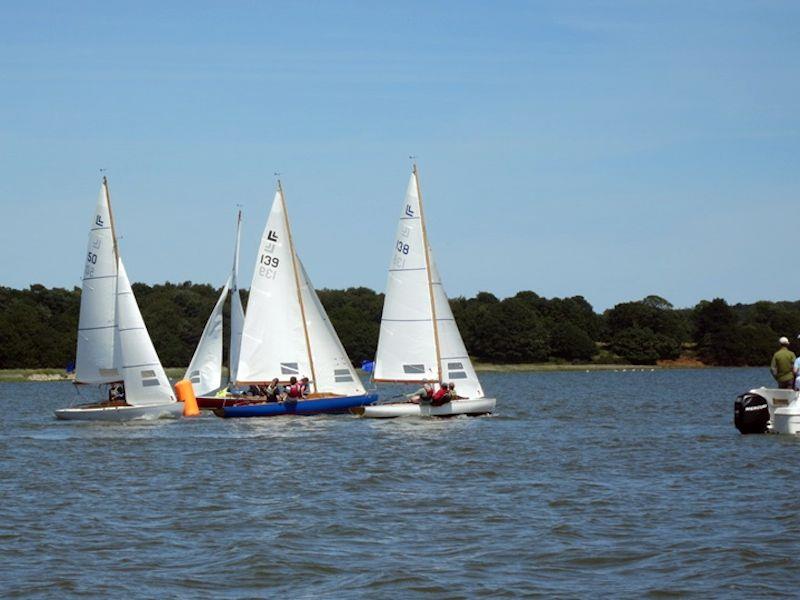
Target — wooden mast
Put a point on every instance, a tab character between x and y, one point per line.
116	254
111	219
430	281
297	285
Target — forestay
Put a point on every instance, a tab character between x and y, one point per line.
205	369
145	380
273	337
96	359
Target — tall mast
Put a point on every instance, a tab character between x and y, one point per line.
234	292
428	270
297	286
236	250
111	218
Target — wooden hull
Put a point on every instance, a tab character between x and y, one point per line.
212	402
469	407
120	413
315	406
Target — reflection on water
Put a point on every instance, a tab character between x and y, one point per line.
582	484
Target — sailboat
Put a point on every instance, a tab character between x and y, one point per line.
419	340
287	332
113	344
205	369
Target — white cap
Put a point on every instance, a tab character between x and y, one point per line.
784	340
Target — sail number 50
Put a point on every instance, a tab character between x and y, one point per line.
401	247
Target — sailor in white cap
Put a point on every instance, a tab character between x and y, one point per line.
783	365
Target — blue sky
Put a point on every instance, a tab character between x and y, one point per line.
607	149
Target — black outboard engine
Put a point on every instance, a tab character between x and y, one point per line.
751	413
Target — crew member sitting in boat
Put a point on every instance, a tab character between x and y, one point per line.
295	390
451	392
442	395
116	394
306	387
273	391
423	394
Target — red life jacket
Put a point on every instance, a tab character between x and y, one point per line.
439	395
296	391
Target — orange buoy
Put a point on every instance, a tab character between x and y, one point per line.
185	393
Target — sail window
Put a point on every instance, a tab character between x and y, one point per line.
413	369
455	365
108	372
342	375
457	375
290	369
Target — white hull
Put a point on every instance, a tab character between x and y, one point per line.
784	409
121	413
473	406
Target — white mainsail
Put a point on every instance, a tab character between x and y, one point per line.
96	359
273	337
145	380
205	369
286	329
237	312
419	339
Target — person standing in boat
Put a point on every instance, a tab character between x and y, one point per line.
782	366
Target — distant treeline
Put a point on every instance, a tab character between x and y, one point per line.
38	326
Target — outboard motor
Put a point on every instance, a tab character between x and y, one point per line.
751	413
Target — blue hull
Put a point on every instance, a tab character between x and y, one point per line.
339	404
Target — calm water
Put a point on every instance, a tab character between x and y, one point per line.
620	484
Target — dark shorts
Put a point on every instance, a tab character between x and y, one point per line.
786	385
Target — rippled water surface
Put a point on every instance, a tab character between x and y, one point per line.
615	483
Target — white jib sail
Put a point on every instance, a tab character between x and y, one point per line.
456	365
237	312
205	369
95	357
333	369
273	338
145	380
406	344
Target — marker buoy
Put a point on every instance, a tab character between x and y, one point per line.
185	394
